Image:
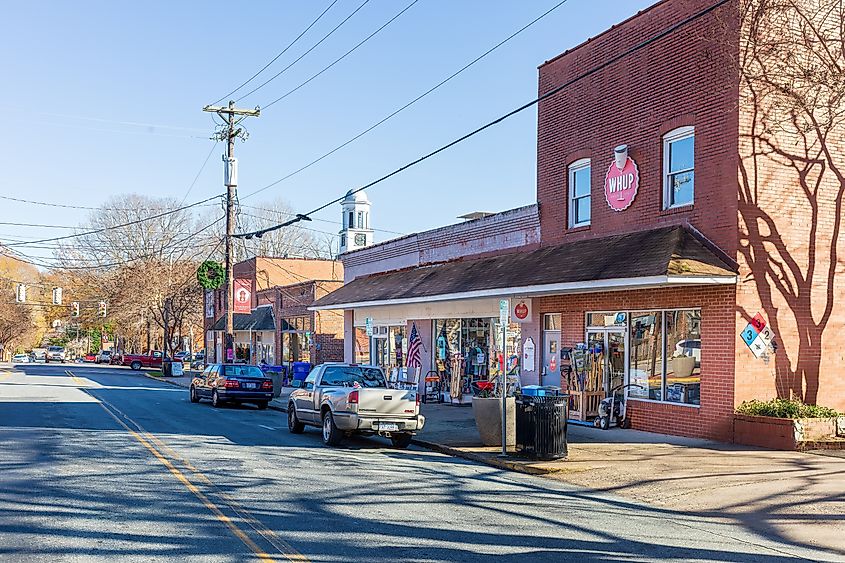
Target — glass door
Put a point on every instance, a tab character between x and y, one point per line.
607	359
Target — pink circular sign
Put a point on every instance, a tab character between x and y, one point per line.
620	186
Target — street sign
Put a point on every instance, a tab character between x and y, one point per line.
504	310
368	322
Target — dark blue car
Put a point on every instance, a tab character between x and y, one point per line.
228	383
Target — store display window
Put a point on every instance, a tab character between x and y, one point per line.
683	356
646	355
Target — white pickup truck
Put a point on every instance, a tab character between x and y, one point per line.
345	399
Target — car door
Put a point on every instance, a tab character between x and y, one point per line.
210	380
201	382
305	397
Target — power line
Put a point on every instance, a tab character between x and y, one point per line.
197	177
343	56
535	101
274	59
291	214
137	221
300	57
409	104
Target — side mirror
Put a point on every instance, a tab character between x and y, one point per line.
296	383
309	386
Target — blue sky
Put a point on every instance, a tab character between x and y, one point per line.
139	74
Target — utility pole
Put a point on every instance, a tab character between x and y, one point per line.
231	179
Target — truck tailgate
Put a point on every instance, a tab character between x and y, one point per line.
387	402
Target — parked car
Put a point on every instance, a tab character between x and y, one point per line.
151	359
20	359
691	347
346	399
228	383
89	358
182	356
55	354
104	357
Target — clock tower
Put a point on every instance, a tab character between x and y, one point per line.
356	232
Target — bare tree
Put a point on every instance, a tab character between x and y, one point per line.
792	75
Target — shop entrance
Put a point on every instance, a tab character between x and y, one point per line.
551	350
607	358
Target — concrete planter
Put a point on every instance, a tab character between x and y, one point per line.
785	433
488	420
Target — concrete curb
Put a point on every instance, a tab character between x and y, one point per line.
164	379
519	467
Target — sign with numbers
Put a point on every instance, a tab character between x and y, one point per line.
759	337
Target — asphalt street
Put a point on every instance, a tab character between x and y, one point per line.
100	463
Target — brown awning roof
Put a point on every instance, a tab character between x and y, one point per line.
656	257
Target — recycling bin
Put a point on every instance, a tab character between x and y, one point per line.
541	424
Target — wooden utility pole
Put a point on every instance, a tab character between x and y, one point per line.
229	134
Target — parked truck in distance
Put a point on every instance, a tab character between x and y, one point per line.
151	359
344	399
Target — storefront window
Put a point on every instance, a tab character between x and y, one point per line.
609	319
551	321
513	350
475	346
388	346
362	346
646	359
683	356
296	347
447	341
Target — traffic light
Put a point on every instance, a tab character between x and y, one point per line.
102	308
20	294
74	309
57	296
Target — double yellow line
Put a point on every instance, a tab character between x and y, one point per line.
77	380
158	449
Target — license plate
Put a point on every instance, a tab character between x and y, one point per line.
250	385
388	427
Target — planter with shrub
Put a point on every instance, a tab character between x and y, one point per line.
787	424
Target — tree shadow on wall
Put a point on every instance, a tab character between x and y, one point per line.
792	81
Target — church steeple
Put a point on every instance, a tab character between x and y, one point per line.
356	232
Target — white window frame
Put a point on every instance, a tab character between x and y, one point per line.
673	136
574	167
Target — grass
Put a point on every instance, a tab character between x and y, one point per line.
785	408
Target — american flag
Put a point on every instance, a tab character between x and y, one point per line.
414	346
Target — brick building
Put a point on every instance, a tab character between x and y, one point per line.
279	328
690	184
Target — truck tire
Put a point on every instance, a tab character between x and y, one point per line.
401	441
135	365
331	433
294	425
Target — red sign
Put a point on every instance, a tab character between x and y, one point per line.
243	296
553	363
521	311
621	184
758	322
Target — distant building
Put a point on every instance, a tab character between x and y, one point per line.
356	232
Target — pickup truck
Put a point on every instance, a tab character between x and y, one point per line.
151	359
345	399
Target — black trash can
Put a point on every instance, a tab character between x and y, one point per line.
167	368
541	426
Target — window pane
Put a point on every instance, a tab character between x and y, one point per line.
681	154
606	319
646	359
581	182
582	210
681	188
551	322
683	356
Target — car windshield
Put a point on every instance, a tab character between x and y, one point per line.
55	348
242	371
349	376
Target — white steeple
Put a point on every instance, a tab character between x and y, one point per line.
356	232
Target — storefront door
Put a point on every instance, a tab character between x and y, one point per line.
607	353
551	350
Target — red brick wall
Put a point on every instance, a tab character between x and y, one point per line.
791	262
714	418
682	79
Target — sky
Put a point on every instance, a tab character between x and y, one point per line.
105	98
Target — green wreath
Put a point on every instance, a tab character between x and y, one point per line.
210	274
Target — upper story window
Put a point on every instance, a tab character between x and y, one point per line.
678	167
351	220
360	219
579	193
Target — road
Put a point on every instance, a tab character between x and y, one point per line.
104	464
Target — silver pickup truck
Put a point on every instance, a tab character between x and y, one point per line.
345	399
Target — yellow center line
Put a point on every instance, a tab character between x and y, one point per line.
145	438
73	376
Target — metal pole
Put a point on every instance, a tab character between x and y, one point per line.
504	389
230	230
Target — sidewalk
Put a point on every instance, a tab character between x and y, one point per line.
790	496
